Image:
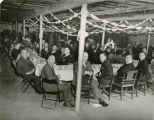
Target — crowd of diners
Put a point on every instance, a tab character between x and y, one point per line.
93	54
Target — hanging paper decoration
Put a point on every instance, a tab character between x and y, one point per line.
93	28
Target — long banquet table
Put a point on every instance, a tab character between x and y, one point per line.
65	71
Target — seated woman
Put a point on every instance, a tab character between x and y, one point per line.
143	68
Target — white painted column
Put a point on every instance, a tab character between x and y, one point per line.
41	33
24	30
16	28
103	34
81	50
148	42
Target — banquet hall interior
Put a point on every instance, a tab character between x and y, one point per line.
76	59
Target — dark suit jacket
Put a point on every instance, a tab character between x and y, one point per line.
143	67
85	77
44	54
56	54
24	66
66	60
60	58
143	70
124	69
15	54
48	72
106	70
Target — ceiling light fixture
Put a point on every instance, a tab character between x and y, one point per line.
1	1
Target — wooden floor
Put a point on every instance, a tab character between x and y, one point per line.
15	105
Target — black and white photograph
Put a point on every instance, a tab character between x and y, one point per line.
76	59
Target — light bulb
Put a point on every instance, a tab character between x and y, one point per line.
1	1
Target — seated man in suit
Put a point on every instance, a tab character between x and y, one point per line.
128	66
44	51
48	72
67	58
26	68
86	73
143	68
61	56
16	51
106	71
55	52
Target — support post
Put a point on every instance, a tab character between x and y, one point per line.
24	31
0	26
103	34
41	34
16	28
148	42
67	36
81	50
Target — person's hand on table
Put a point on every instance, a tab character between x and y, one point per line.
30	72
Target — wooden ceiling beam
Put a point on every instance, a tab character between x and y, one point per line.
146	1
133	5
23	3
138	17
122	12
67	4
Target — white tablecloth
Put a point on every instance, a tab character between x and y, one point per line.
66	71
66	75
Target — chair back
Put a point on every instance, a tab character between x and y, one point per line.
86	80
86	85
130	77
107	82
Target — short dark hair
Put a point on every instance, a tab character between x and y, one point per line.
143	53
130	56
103	53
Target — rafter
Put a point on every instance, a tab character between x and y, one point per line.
23	3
